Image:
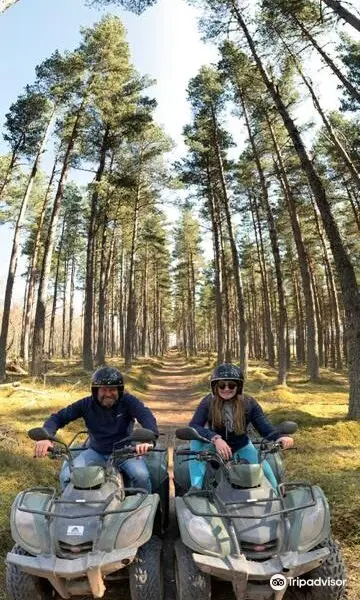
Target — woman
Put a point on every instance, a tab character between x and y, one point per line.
227	412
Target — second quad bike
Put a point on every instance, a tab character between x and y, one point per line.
94	533
240	529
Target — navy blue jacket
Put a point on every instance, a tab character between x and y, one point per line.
105	426
253	414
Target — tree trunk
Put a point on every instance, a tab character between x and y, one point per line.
100	350
71	309
347	84
300	342
144	348
345	269
338	145
34	266
39	326
131	283
264	280
15	253
234	254
312	358
51	348
215	222
355	207
225	276
89	279
343	13
122	302
64	310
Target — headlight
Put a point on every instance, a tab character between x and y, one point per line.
133	527
312	524
26	529
200	531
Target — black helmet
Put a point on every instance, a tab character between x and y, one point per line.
109	377
227	371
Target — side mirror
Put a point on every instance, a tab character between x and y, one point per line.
143	435
287	427
39	433
189	433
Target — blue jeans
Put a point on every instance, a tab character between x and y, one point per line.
197	468
135	469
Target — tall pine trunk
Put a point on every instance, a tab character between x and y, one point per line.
234	253
34	266
130	318
89	278
215	222
15	252
345	269
71	308
37	362
346	83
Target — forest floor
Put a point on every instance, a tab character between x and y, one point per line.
328	446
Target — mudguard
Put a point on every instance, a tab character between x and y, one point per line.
310	526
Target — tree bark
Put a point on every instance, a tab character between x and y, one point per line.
234	254
347	84
34	266
343	13
215	222
15	252
130	329
338	145
71	308
345	269
51	347
37	365
89	279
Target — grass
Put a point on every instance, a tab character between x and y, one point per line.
328	445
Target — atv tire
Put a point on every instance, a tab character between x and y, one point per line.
191	583
146	572
20	585
333	567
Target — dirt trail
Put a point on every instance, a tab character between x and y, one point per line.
172	395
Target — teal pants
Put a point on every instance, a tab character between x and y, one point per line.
197	468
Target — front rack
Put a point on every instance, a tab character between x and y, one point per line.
51	513
253	501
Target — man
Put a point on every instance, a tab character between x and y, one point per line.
109	415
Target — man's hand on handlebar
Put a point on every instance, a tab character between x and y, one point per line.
42	447
143	448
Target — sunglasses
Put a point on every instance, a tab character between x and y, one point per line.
231	385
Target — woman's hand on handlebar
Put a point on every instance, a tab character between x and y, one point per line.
42	447
286	442
222	448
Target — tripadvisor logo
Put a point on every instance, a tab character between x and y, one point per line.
279	582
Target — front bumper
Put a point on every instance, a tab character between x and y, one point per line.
90	569
240	571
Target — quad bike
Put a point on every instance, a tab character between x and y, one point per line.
240	529
94	533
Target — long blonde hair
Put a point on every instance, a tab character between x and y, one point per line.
239	412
